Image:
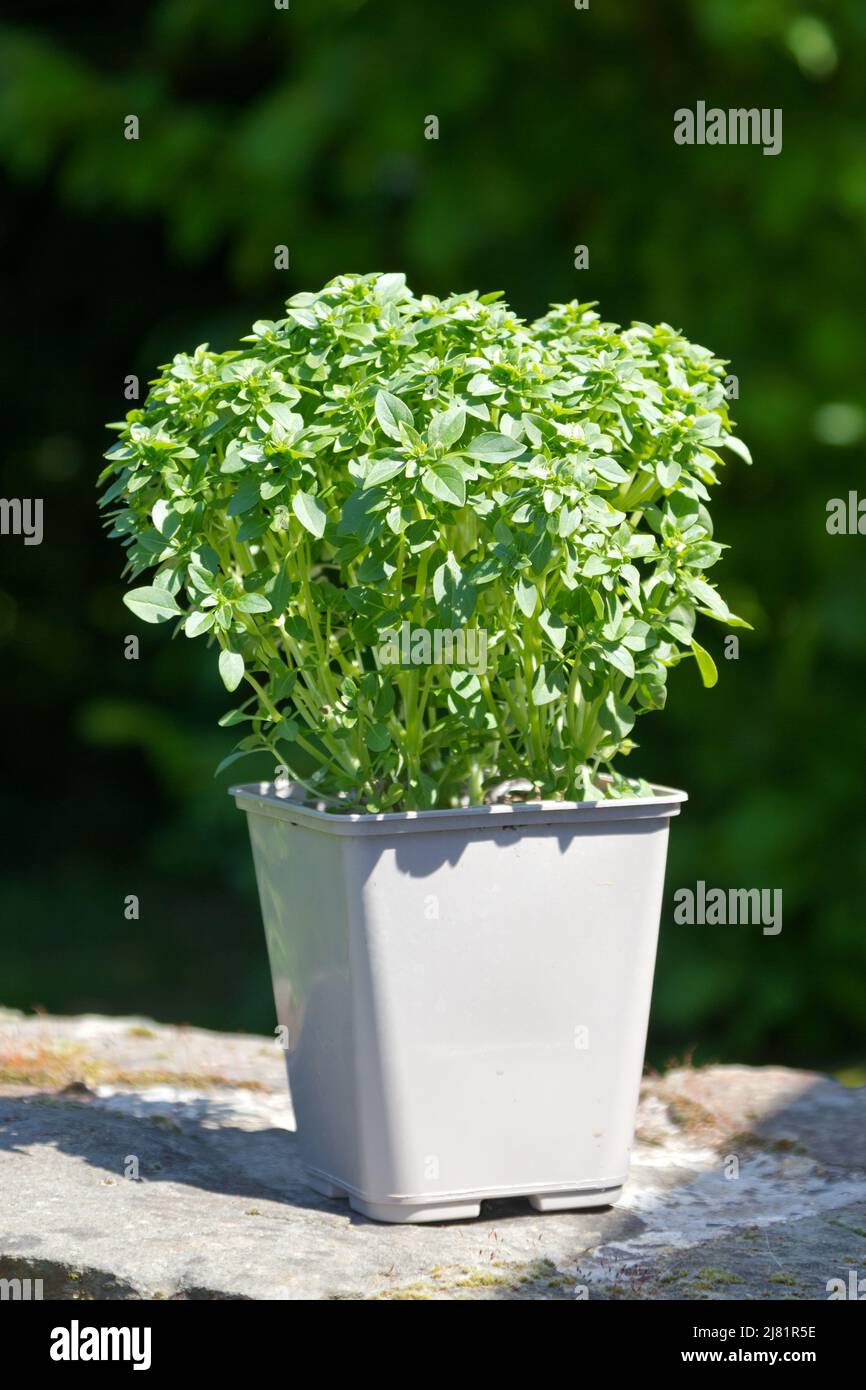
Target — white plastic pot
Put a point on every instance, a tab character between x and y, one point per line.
466	994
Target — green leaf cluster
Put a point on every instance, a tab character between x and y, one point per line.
374	459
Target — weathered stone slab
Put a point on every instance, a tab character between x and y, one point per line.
144	1161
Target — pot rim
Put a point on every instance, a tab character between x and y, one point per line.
290	802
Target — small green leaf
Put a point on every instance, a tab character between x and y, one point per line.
383	471
252	603
446	427
232	717
548	684
310	513
453	593
246	497
609	468
668	472
493	448
165	519
378	738
526	595
391	412
442	480
197	623
737	447
615	717
585	789
152	604
482	385
233	462
289	422
231	665
621	659
279	590
707	595
554	626
706	665
233	758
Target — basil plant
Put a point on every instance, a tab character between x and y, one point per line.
436	550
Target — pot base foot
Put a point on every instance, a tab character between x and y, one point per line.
400	1212
574	1200
324	1186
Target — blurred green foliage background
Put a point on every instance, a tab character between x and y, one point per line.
305	127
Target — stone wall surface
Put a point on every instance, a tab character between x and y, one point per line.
144	1161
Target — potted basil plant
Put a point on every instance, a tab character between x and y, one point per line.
446	560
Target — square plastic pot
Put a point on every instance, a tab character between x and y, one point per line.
466	994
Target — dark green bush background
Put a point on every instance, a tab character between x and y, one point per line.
305	127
